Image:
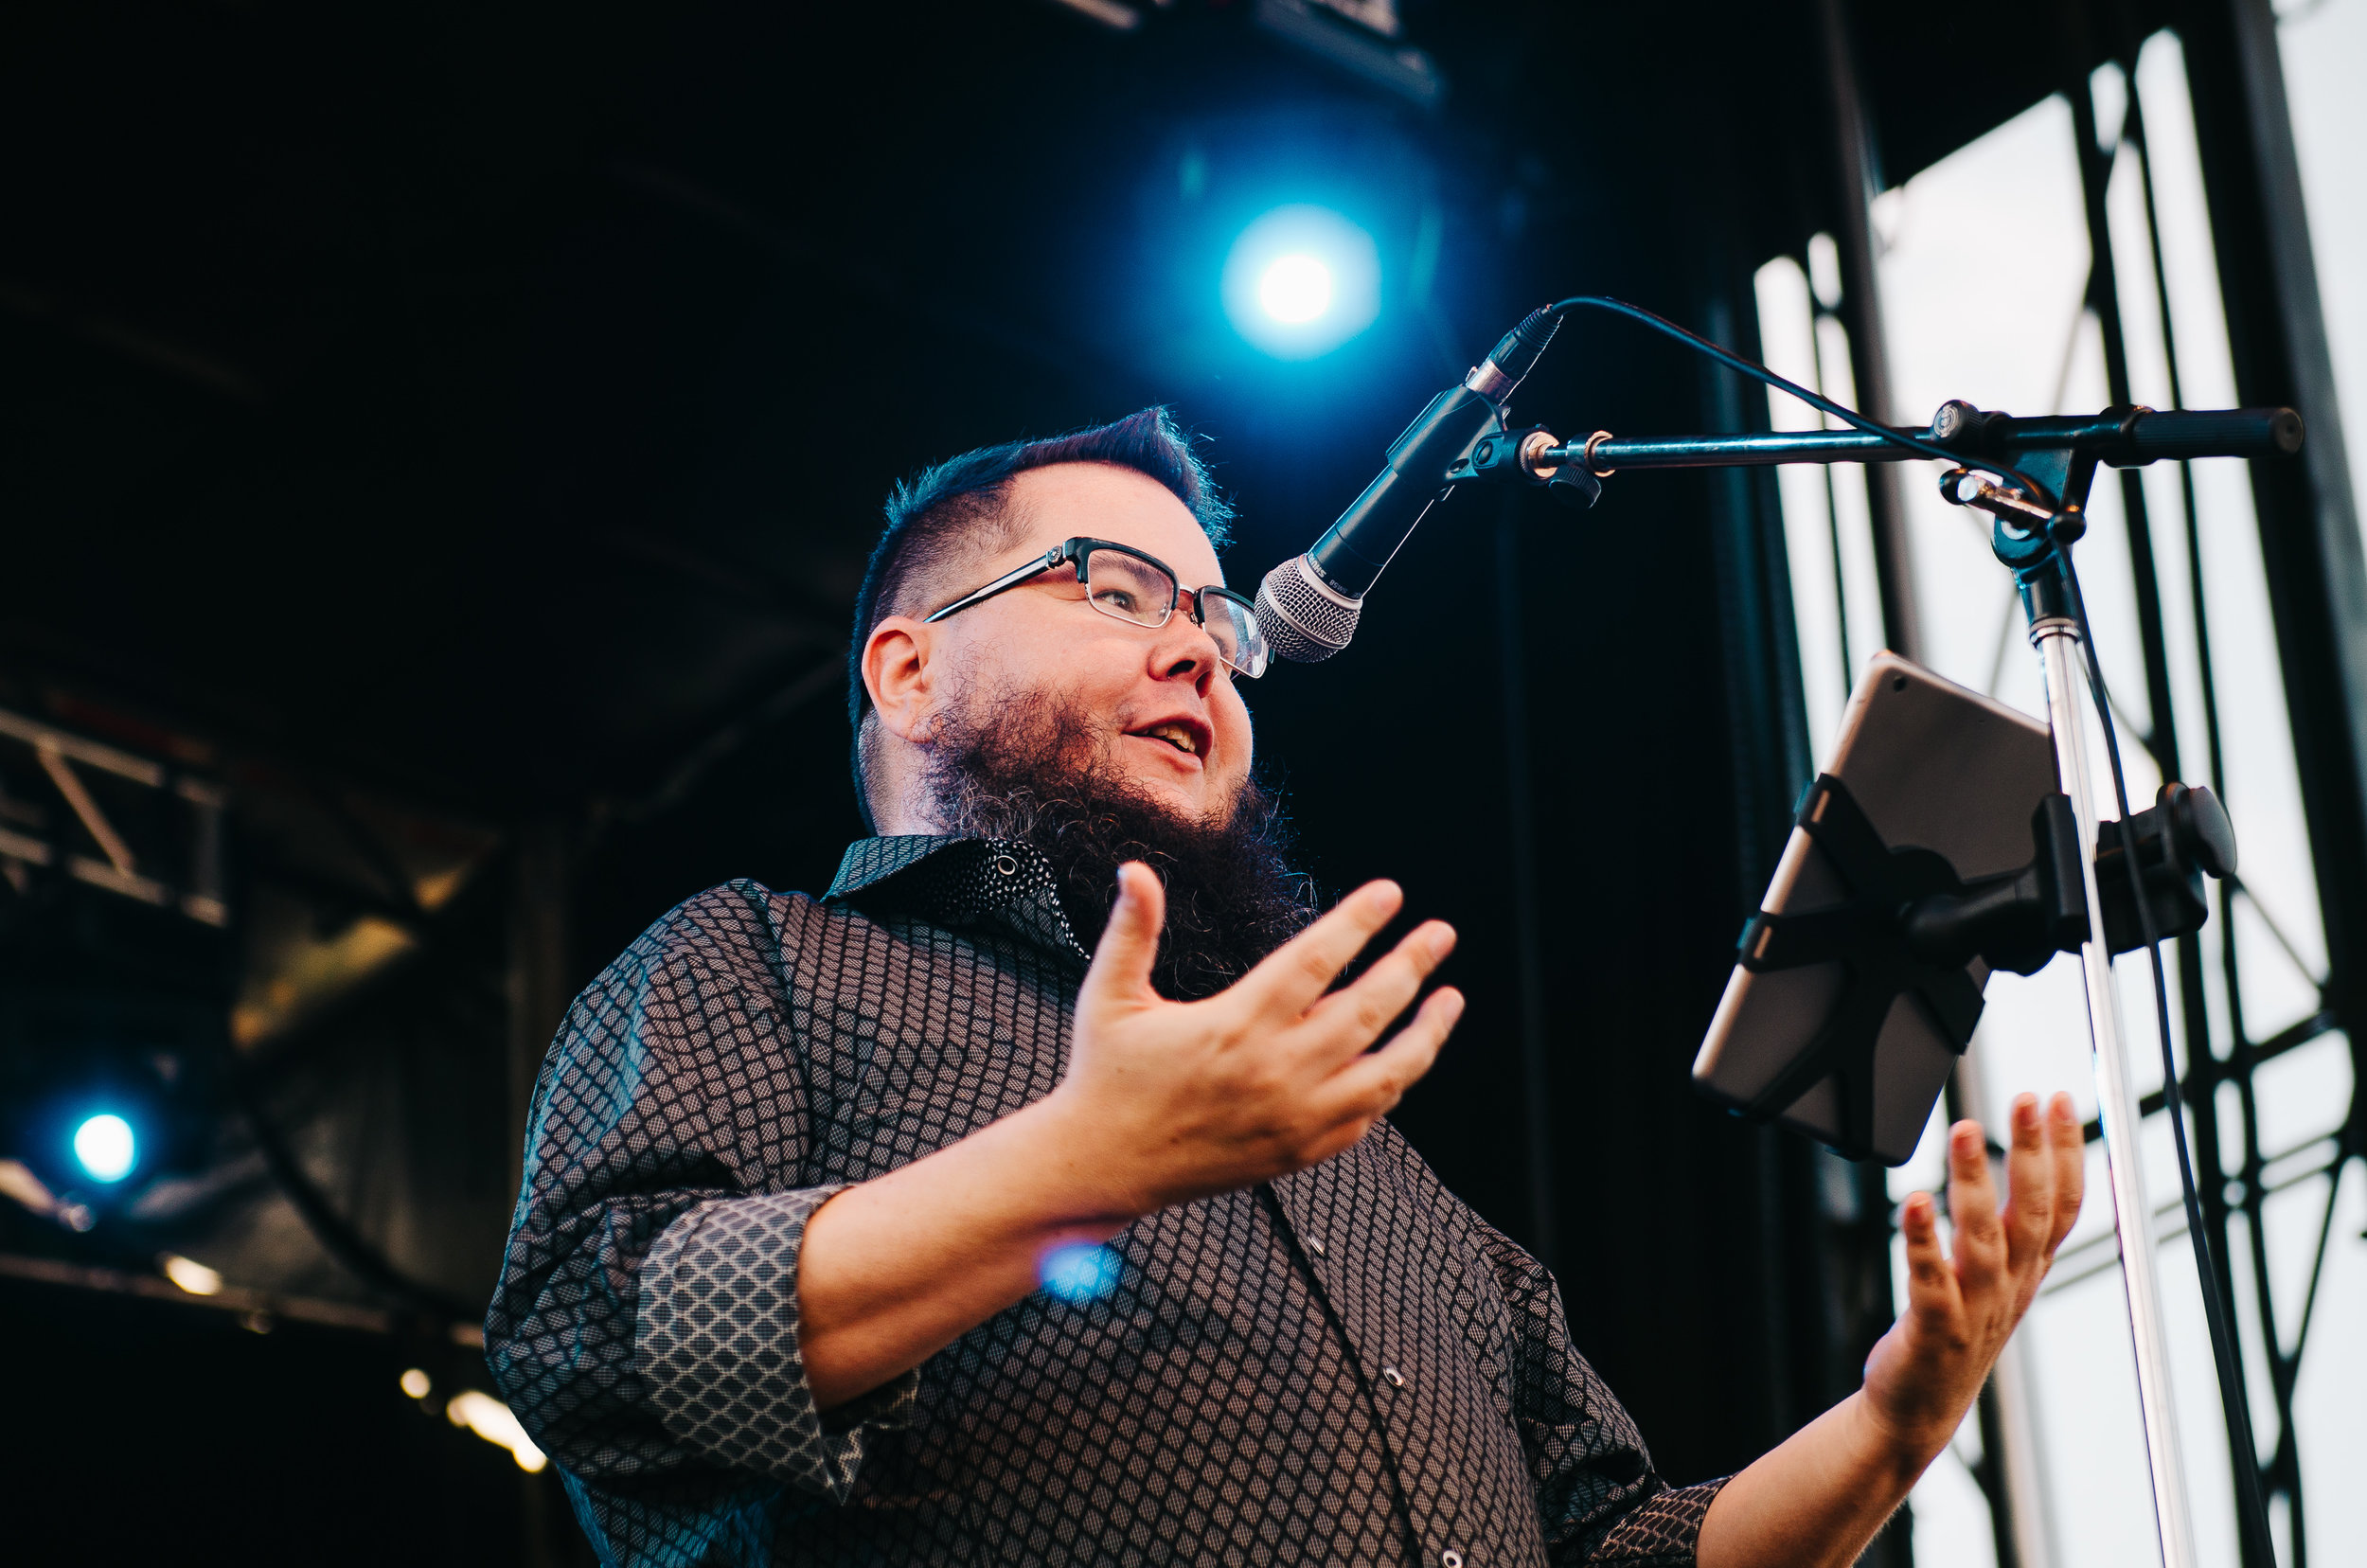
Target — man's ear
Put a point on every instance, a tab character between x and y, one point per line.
895	669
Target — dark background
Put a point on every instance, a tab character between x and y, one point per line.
458	431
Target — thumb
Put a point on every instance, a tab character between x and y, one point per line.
1129	943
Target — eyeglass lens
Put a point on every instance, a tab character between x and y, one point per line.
1234	629
1128	587
1131	589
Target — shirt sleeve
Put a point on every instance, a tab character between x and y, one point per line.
645	1329
1601	1499
717	1338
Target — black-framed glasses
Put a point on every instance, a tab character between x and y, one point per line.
1128	585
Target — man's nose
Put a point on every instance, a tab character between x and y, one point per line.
1187	651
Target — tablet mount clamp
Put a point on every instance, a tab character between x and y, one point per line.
1910	924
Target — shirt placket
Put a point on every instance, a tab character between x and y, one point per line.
1380	1267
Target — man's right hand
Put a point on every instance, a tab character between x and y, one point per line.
1163	1102
1168	1101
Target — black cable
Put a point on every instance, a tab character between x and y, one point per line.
2251	1506
1734	362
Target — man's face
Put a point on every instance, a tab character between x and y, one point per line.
1159	703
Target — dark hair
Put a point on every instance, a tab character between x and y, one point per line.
955	512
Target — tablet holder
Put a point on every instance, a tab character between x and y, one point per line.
1910	926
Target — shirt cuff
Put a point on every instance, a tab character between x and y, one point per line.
1662	1531
717	1340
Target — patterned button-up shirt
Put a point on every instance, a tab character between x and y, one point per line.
1345	1365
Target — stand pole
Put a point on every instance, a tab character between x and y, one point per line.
2056	638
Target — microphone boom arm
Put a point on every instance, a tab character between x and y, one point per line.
2117	437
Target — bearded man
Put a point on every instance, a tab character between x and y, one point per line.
1027	1198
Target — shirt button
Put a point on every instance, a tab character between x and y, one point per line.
1396	1380
1450	1559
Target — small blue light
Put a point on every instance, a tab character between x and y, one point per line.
104	1146
1081	1271
1301	280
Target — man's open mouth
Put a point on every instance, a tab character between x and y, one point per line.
1182	737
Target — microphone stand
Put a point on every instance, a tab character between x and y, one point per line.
2032	537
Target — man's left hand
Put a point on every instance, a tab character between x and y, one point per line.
1819	1496
1926	1372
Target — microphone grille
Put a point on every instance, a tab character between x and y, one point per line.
1304	619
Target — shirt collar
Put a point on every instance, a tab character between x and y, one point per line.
959	882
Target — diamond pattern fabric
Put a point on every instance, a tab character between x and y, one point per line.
720	1344
1346	1366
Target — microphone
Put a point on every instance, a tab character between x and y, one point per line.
1308	607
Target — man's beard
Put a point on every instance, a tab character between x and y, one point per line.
1020	766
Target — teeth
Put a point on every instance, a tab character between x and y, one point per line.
1176	735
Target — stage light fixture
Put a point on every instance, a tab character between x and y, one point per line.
492	1420
104	1147
1295	289
190	1274
1301	281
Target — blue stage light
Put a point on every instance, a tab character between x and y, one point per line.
104	1146
1080	1273
1301	281
1295	289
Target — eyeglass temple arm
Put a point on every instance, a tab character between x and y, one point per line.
1011	579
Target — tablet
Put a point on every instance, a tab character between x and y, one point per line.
1932	765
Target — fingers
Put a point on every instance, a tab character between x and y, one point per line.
1972	1205
1370	1085
2030	1188
1297	972
1129	943
1354	1018
2066	1148
1933	1297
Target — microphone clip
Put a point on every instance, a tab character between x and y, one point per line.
1528	455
